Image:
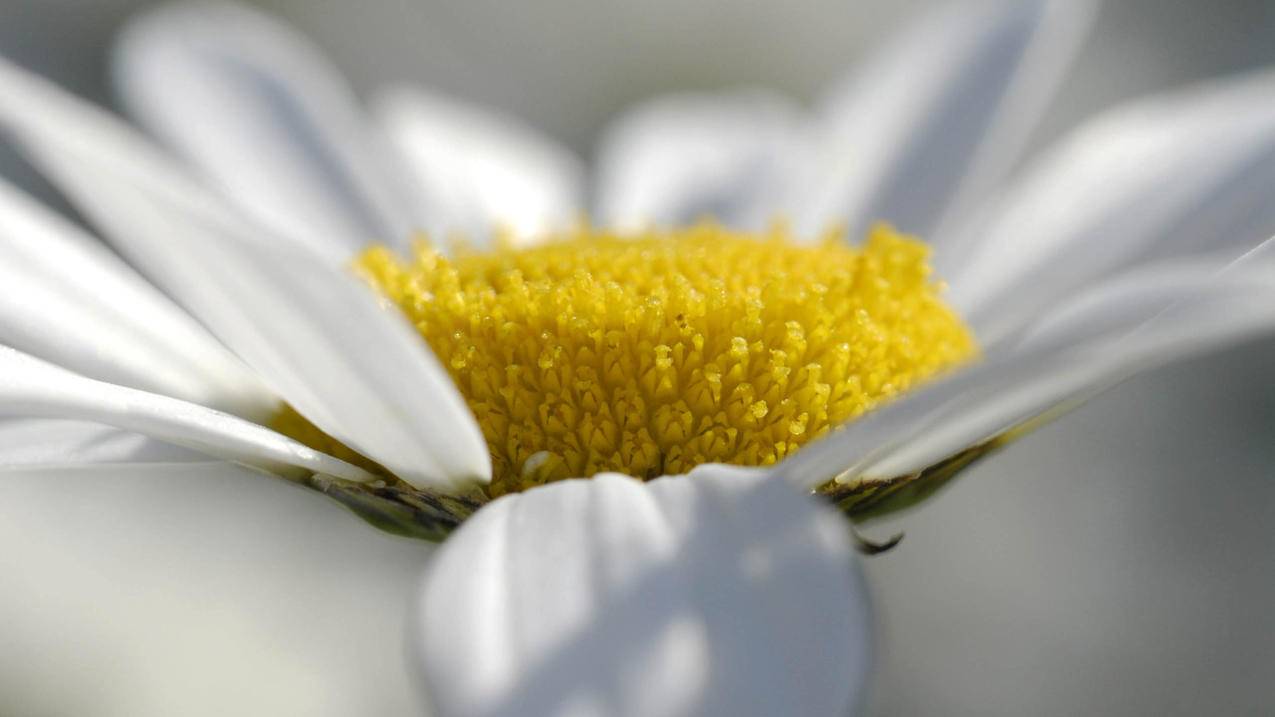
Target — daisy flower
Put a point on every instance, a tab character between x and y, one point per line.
638	434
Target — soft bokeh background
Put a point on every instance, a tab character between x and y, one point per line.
1117	562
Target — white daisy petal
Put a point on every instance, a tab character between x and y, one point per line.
939	117
318	337
1172	175
476	170
198	590
47	442
261	112
1114	305
33	388
69	300
718	593
1220	316
676	159
1159	318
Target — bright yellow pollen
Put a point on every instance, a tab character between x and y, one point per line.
653	353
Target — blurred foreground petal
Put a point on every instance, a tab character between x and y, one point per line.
198	590
718	593
53	442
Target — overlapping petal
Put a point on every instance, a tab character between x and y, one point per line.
1098	343
198	589
258	109
33	388
1181	174
722	592
1163	316
919	133
71	301
319	338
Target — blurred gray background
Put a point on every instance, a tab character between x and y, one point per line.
1117	562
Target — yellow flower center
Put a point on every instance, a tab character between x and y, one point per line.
650	354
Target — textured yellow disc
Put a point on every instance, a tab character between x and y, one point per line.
650	354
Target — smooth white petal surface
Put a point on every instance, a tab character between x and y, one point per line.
261	112
679	158
49	442
67	299
921	132
199	590
33	388
475	170
1135	323
719	593
1174	175
314	333
1120	302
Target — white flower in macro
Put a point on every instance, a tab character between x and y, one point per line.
671	347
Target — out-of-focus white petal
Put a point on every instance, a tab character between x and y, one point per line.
46	442
33	388
475	170
719	593
679	158
1175	175
918	134
69	300
352	366
262	113
198	590
1135	323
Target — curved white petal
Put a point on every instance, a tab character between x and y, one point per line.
261	112
926	128
353	367
718	593
33	388
1136	323
1222	316
1114	305
475	170
69	300
676	159
46	442
1178	174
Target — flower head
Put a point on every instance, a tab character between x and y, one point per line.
650	355
598	378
